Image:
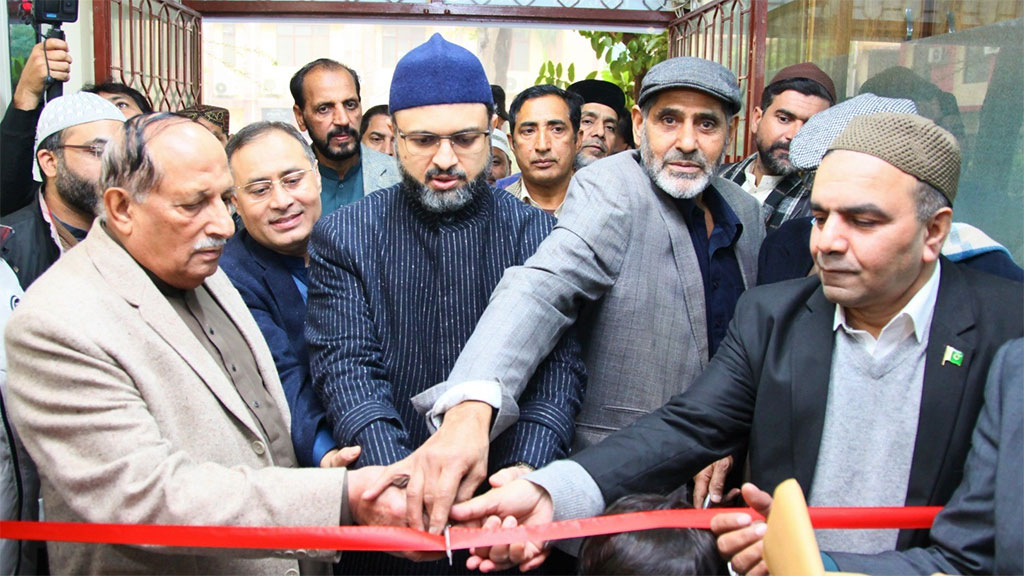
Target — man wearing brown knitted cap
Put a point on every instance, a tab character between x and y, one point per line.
863	383
795	94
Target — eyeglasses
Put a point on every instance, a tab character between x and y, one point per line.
95	149
260	189
423	143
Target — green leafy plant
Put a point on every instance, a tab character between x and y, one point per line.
629	56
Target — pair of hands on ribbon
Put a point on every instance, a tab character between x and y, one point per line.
420	490
522	502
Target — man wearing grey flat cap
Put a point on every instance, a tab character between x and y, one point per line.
649	256
863	382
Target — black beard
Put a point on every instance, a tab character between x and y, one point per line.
772	165
444	202
323	146
79	194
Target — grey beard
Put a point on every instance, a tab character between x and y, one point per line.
79	194
444	202
682	187
581	161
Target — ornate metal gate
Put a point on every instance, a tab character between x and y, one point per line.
153	46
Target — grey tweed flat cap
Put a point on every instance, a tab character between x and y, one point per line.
811	142
694	73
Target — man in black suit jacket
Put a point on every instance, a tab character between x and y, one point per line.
882	211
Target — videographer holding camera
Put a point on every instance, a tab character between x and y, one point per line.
48	67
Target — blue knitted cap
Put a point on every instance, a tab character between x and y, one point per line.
438	72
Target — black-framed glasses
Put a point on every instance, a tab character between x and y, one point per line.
260	189
422	143
96	149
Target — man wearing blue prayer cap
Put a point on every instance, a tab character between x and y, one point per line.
397	282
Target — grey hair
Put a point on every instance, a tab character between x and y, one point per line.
928	201
246	135
126	161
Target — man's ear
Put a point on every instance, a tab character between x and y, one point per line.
117	203
936	231
755	119
299	120
47	163
638	124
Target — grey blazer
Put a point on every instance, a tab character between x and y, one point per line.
981	529
379	170
621	267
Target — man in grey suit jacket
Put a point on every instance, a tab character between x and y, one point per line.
142	386
648	259
328	106
863	384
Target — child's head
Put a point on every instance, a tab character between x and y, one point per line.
661	551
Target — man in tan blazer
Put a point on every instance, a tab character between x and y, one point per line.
142	386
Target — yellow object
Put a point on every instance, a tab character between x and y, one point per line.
789	544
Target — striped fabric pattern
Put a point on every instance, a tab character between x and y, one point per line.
790	199
395	292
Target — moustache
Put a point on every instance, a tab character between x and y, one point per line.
451	171
596	142
697	157
784	146
209	242
343	131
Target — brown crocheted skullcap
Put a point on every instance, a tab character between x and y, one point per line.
909	142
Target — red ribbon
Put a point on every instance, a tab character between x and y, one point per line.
393	539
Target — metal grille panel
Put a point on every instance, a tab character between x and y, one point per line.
153	46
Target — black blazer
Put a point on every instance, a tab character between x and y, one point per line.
768	385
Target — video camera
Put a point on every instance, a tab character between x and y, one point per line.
54	13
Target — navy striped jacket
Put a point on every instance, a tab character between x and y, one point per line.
395	291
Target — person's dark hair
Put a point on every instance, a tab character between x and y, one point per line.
378	110
572	100
295	85
661	551
498	94
111	87
246	135
625	129
805	86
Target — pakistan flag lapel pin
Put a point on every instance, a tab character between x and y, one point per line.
953	356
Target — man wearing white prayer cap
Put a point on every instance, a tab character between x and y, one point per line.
70	137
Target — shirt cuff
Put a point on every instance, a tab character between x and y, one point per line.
323	443
487	391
